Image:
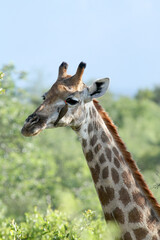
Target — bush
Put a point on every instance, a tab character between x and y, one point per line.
56	225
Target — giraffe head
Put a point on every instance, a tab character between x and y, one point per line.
64	103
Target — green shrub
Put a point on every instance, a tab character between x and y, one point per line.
56	225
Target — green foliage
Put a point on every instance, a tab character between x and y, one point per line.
145	94
56	225
153	95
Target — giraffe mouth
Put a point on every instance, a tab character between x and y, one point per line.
37	132
30	133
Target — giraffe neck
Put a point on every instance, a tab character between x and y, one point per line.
121	197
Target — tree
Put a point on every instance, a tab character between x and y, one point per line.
145	94
153	95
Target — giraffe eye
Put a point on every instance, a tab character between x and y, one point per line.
71	101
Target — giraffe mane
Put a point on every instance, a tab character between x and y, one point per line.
127	157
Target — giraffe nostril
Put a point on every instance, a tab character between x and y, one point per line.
33	118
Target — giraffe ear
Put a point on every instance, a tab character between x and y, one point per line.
96	90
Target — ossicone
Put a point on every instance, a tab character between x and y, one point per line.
63	70
80	70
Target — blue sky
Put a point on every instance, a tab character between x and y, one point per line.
117	39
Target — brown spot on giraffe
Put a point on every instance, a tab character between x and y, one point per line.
108	216
139	199
105	173
102	158
127	236
115	175
95	173
115	151
116	162
135	216
89	156
104	137
124	196
97	148
108	153
126	179
84	143
119	215
90	128
106	195
93	140
140	233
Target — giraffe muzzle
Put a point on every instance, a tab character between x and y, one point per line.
33	125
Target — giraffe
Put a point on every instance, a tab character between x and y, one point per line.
122	191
